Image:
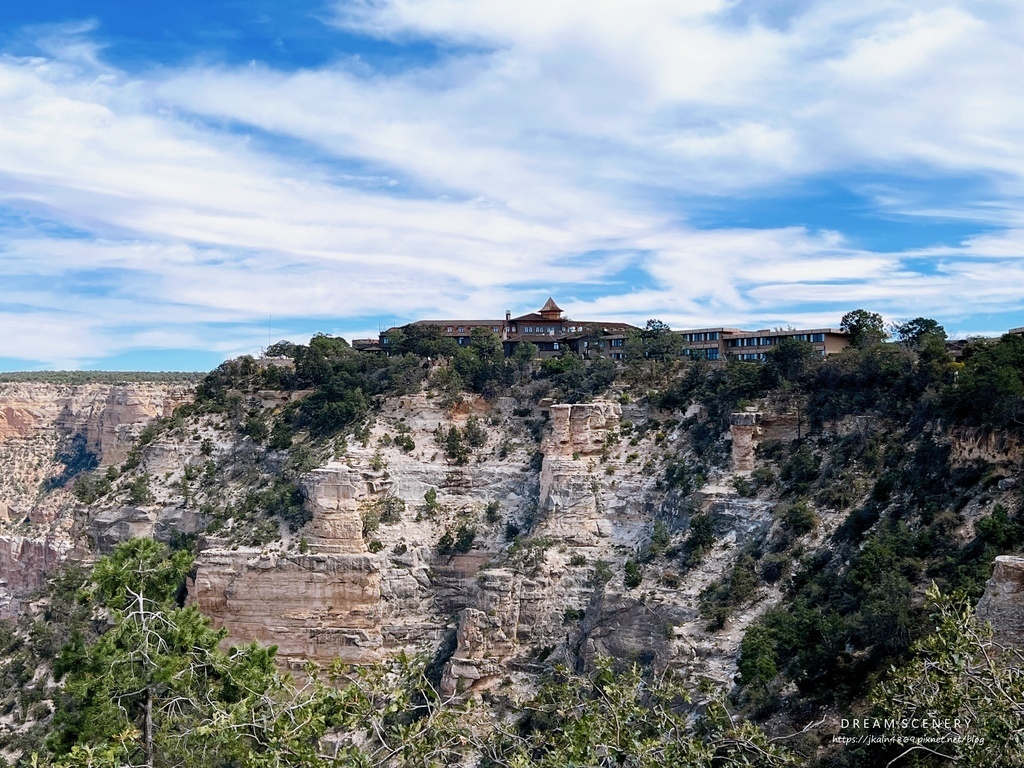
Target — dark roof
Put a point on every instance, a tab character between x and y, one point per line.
550	306
474	323
534	317
366	345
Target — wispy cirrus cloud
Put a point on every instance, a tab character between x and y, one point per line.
566	149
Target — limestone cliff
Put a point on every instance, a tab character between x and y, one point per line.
48	433
319	604
1003	602
536	545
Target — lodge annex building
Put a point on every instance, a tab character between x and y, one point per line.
554	334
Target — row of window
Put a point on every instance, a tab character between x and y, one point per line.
540	329
767	341
707	336
707	354
463	329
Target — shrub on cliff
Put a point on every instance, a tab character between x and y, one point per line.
989	389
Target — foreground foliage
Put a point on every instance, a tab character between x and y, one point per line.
608	720
145	682
962	694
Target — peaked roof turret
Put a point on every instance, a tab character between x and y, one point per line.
550	306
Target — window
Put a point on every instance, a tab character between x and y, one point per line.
528	329
713	336
449	329
494	328
385	340
617	342
818	337
712	354
462	329
556	345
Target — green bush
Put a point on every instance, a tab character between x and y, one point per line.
800	470
492	511
798	518
458	541
139	492
474	433
633	577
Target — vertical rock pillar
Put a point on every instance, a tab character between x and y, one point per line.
744	431
319	605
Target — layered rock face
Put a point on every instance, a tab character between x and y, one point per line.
1003	602
109	416
321	605
569	485
343	588
522	610
24	564
43	428
969	444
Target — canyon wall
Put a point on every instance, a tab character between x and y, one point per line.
1003	602
321	603
48	432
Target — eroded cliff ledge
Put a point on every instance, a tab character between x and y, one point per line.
48	432
320	604
1003	602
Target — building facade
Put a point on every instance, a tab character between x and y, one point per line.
554	334
752	345
547	328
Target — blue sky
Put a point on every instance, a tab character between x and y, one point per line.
177	177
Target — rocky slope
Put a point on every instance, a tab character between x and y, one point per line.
343	588
557	537
48	433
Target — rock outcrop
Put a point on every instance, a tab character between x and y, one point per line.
24	564
49	432
1003	602
570	489
744	432
322	604
1002	448
551	599
109	416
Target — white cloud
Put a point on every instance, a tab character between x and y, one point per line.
569	129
